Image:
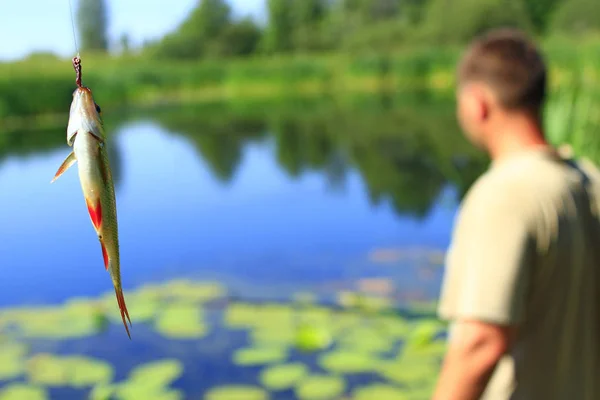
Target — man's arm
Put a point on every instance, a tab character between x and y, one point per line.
473	353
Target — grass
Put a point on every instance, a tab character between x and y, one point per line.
42	86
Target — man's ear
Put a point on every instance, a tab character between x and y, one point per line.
474	103
480	102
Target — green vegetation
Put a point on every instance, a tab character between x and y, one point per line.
334	50
283	376
17	391
360	342
12	359
92	21
380	392
75	371
320	387
237	392
260	355
139	81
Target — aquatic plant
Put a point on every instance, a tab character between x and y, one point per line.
75	319
424	333
360	342
12	359
409	371
320	387
283	376
236	392
348	361
148	381
380	391
75	371
366	338
392	326
181	321
240	315
160	373
192	291
21	391
260	355
311	337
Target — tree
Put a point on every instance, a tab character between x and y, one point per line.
238	38
280	28
307	17
92	21
444	24
577	17
541	11
124	42
198	35
207	20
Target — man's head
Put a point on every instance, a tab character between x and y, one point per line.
502	76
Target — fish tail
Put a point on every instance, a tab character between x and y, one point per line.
123	309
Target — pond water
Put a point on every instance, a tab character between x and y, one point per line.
267	199
259	208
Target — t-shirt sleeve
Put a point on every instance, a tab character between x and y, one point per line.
488	263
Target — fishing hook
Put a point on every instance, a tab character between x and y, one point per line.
77	67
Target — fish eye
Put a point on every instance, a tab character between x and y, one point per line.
98	109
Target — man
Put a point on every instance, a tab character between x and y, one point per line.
522	280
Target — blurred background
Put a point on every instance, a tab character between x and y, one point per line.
287	173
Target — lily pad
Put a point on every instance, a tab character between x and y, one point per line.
320	387
424	333
240	315
150	381
74	371
21	391
367	339
135	390
75	319
345	321
181	321
283	376
313	337
193	291
380	391
12	362
259	355
267	335
392	326
347	362
102	392
413	372
236	392
158	373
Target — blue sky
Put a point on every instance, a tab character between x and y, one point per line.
45	25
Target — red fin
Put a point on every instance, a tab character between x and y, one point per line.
70	160
104	254
123	308
95	213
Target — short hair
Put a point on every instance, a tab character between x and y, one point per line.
508	62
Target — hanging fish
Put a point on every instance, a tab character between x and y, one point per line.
85	133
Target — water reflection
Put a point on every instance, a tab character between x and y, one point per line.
271	195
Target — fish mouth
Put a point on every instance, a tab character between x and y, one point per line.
84	116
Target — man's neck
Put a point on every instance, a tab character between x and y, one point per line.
516	136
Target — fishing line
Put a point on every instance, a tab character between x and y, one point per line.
73	26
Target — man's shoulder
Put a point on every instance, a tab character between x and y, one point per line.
514	186
496	186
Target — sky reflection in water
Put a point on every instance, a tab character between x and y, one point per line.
263	228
